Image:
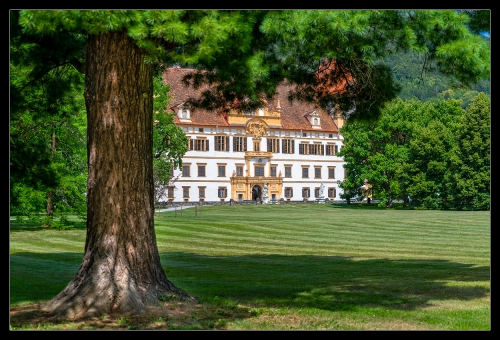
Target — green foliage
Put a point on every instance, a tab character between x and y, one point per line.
169	141
360	40
246	53
449	164
479	20
47	125
428	164
469	179
376	150
434	152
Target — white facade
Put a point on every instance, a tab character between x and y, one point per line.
218	167
288	148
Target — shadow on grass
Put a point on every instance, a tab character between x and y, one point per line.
327	283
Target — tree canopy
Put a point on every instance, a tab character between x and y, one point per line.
249	52
47	125
435	152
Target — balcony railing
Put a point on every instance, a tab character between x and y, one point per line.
262	154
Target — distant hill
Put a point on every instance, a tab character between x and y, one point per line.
429	85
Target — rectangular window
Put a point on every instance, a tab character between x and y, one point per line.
201	192
186	170
239	144
332	193
170	192
288	171
330	149
305	193
200	129
199	144
221	170
185	192
256	146
304	134
201	170
273	171
331	172
317	172
273	145
305	172
221	143
288	146
288	192
317	149
337	148
259	170
239	170
222	192
303	149
316	192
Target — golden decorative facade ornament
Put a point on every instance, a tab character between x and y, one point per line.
256	127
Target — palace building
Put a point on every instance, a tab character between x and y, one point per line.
281	151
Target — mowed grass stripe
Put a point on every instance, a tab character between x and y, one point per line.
350	250
48	245
381	232
307	263
284	230
42	248
420	225
334	247
397	239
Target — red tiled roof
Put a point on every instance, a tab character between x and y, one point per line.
328	86
292	114
180	92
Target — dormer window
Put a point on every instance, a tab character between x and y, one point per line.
314	119
183	113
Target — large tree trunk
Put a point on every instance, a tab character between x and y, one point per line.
121	269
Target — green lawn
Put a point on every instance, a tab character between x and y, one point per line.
304	266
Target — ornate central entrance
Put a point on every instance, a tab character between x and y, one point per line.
256	193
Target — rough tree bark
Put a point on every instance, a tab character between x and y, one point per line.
121	269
